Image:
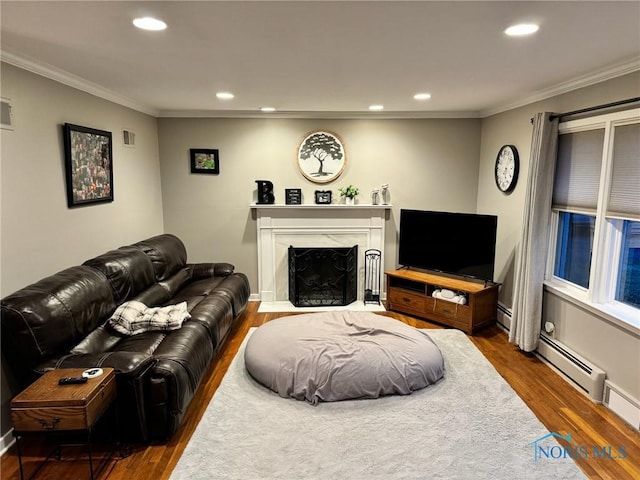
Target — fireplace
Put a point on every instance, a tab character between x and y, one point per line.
308	225
320	277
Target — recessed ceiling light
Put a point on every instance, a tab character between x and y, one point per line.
376	108
522	29
422	96
225	95
267	109
149	23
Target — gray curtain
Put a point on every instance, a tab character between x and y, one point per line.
534	239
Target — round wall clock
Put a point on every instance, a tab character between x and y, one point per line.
507	168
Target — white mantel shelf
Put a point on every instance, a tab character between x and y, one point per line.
313	225
320	206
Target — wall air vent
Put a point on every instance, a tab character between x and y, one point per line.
6	114
128	138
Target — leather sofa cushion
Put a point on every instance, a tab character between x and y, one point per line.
102	339
236	286
128	270
162	293
215	313
166	252
174	283
189	347
206	270
153	296
52	315
105	339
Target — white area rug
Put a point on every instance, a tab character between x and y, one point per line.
470	425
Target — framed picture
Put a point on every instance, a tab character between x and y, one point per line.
88	164
323	197
205	161
321	156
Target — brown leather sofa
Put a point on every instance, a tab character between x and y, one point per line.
62	322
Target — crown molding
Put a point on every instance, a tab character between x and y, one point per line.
66	78
624	67
619	69
315	115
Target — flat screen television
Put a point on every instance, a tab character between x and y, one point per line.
457	243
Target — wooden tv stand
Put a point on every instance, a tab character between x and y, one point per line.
410	292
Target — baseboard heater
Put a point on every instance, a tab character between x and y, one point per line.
585	375
504	317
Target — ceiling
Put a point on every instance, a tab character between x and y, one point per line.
323	57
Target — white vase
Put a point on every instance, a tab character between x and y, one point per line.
349	201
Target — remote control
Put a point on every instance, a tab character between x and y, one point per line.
72	380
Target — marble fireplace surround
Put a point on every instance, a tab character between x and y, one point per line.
280	226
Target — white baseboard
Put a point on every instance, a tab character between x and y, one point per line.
6	442
622	404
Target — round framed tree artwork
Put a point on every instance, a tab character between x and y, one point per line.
321	156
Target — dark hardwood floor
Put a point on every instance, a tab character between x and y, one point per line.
558	405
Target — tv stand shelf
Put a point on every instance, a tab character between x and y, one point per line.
410	292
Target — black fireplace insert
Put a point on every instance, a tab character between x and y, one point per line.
323	276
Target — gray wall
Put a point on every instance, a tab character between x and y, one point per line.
429	164
440	164
39	234
615	350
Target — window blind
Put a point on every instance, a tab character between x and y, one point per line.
577	177
624	195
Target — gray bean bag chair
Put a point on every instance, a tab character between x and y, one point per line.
342	355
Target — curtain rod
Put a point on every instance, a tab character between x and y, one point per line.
598	107
592	109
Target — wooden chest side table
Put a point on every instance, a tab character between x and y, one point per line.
47	407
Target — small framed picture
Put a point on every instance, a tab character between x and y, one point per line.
323	197
205	161
88	164
293	196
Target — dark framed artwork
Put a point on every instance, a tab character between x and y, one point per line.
205	160
88	164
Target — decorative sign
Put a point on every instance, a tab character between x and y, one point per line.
293	196
265	192
321	156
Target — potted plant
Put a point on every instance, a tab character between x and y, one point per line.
349	193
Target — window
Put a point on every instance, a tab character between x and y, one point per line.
596	214
629	269
574	247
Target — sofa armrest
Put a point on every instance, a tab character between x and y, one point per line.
206	270
127	363
131	374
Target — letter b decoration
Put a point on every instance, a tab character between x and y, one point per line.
265	192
